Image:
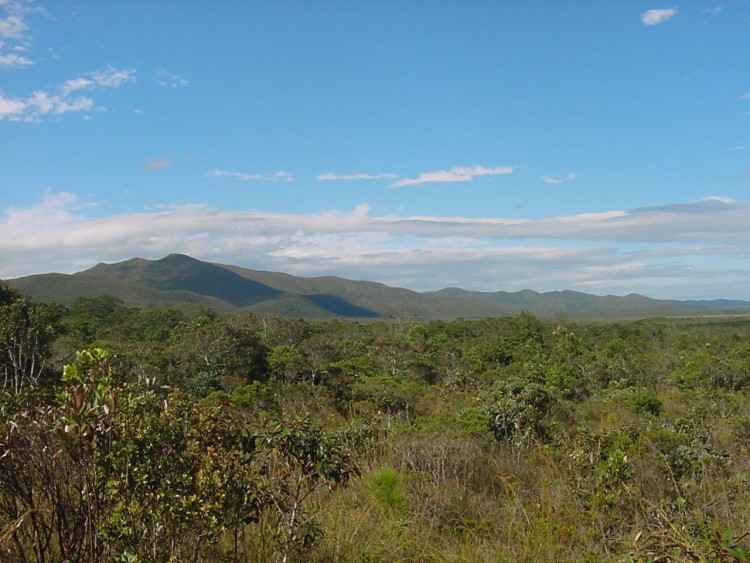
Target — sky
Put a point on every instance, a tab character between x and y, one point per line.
598	146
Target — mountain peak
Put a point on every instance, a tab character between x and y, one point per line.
178	258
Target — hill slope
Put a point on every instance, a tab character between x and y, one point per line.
188	284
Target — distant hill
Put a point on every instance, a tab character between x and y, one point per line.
181	282
574	303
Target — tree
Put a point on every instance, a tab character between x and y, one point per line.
90	317
305	459
27	331
213	354
517	410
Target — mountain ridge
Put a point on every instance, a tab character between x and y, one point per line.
182	282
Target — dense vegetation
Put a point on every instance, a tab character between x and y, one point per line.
147	435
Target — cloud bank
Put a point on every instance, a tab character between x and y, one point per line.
685	250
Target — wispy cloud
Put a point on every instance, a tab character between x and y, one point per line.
334	177
278	175
655	17
158	163
74	85
43	104
170	80
656	250
15	37
558	179
12	60
455	174
110	77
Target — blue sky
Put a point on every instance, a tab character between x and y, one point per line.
596	146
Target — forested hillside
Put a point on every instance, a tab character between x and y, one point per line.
131	434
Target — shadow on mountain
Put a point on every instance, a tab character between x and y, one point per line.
339	306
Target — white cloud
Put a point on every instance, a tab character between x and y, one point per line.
721	199
362	176
557	179
83	104
9	108
655	17
670	250
12	60
12	27
278	175
455	174
110	77
41	104
76	84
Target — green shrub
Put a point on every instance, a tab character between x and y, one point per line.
517	410
645	403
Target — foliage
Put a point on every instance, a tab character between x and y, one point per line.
208	354
136	474
27	331
231	438
181	474
304	460
517	411
646	403
386	485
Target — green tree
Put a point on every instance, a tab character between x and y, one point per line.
27	331
215	354
305	459
517	411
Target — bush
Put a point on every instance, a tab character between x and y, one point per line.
517	410
644	403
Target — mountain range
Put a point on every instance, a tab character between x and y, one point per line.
181	282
